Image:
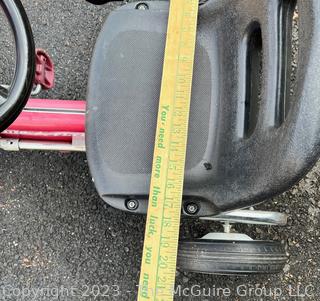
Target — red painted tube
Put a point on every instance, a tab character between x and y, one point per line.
44	119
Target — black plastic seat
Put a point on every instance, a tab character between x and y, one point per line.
253	131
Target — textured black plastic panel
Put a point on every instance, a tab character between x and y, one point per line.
249	137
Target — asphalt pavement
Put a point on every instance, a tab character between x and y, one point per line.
59	241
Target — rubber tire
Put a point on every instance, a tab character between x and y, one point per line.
232	257
22	83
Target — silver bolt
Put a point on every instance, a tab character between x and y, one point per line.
132	204
192	208
142	6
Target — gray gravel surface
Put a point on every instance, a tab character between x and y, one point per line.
59	241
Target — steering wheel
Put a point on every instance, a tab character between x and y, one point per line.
21	86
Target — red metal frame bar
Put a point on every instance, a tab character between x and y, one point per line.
49	120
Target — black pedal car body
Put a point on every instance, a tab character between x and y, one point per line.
253	131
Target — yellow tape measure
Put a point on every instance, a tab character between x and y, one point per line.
159	260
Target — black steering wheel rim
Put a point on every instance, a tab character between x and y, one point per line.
25	62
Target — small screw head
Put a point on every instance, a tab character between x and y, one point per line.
192	208
142	6
132	204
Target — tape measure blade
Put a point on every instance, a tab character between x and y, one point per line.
157	277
